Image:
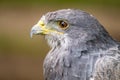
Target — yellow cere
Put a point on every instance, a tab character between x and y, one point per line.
45	30
41	23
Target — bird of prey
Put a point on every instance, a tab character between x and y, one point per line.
81	49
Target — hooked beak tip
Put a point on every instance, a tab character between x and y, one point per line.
31	34
35	30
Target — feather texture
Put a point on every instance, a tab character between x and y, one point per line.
85	51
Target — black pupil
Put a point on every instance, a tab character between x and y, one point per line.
63	24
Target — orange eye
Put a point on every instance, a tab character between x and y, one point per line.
63	24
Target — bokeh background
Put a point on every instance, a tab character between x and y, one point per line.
21	57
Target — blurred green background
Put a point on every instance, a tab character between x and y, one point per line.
21	57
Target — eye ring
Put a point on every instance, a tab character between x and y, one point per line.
63	24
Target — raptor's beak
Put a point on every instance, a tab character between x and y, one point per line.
42	28
39	28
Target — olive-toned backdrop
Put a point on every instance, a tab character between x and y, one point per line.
21	57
